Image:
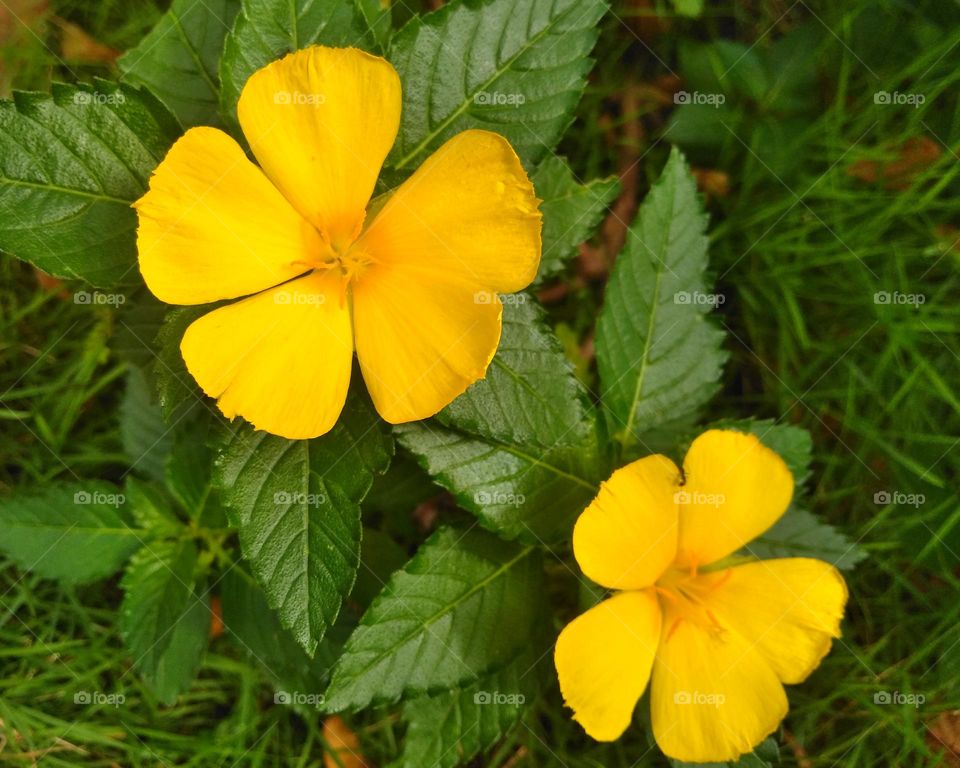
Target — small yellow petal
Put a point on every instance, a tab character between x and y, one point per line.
280	359
420	342
627	536
790	609
603	661
320	122
713	696
469	214
734	489
212	226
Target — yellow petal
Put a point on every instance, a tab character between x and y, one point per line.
212	226
469	213
628	535
734	489
713	697
790	609
420	342
320	122
603	661
280	359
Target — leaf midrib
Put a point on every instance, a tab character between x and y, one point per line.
503	568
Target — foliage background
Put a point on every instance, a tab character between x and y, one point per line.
819	199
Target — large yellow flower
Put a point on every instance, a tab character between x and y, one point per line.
717	642
408	281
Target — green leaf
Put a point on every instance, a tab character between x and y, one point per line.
463	606
799	533
145	436
296	504
517	67
178	58
257	630
452	727
571	211
177	666
765	755
380	556
690	8
265	30
518	448
74	533
658	355
70	166
158	595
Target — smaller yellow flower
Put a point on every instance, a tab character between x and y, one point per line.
407	280
715	643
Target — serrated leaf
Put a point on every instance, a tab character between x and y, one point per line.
517	67
265	30
463	606
152	508
158	595
296	504
452	727
571	211
145	436
529	395
518	449
178	58
799	533
73	532
71	163
658	354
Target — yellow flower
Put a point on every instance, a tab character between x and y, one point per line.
716	643
408	281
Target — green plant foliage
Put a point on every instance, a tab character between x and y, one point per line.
71	163
517	67
178	59
658	354
518	449
74	532
296	504
461	607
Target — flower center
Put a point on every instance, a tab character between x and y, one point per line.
682	592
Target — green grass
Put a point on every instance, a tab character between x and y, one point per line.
799	253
